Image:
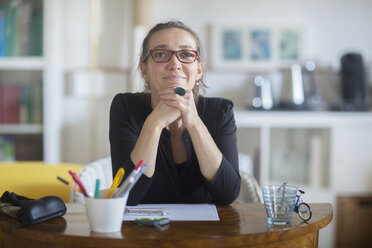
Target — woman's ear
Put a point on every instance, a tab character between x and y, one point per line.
144	72
199	73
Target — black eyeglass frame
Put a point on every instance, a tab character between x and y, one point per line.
172	53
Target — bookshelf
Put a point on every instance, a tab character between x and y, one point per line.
22	63
21	80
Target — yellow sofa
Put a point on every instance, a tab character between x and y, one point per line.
36	179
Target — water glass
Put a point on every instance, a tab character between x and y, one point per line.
279	203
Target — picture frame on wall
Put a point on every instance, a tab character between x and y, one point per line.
289	44
260	43
232	45
255	47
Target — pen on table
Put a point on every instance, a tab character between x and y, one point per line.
146	211
117	180
78	182
69	185
96	193
130	181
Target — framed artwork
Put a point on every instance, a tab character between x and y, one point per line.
252	47
260	45
289	44
232	45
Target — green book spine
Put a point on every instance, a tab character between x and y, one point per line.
36	32
10	29
37	103
23	31
26	104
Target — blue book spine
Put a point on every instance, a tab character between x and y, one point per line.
2	32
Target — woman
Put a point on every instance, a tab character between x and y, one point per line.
189	141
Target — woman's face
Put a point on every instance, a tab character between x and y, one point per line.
172	73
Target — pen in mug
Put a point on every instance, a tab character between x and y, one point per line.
139	164
73	187
136	177
130	181
116	194
96	193
117	180
78	182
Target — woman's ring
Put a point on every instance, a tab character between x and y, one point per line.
180	91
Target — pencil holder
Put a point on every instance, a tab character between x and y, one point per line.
105	214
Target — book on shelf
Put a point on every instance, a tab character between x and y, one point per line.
23	28
10	102
2	32
21	24
10	28
20	103
21	148
36	30
28	147
7	149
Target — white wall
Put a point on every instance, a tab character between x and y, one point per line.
86	111
333	27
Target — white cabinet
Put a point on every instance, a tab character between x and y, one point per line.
315	150
326	154
352	158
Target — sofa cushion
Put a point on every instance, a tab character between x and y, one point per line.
36	179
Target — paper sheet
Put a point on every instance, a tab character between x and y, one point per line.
74	208
180	212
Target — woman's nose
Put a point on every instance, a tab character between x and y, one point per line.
174	63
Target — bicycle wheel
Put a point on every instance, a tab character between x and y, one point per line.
304	211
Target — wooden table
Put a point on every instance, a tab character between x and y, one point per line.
240	225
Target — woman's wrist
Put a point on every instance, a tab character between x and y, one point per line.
195	124
154	125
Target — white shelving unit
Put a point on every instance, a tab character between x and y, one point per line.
339	144
46	69
53	74
25	71
22	63
319	138
21	128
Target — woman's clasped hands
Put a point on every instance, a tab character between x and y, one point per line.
184	104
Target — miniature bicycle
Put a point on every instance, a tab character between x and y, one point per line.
301	208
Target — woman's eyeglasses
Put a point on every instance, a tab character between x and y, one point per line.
165	55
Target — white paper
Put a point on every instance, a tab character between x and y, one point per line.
180	212
74	208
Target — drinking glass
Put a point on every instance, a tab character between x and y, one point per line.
279	201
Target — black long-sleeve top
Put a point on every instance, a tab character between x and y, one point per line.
173	183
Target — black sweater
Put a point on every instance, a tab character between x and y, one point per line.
176	183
